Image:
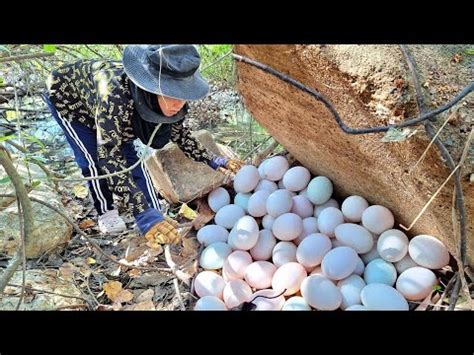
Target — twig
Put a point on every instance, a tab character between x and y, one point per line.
72	306
90	291
19	58
430	144
178	293
94	51
78	230
264	153
216	61
23	253
318	96
174	267
49	292
28	220
22	110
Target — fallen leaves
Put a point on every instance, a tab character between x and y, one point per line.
80	191
114	292
88	223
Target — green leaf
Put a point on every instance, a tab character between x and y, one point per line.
469	51
437	288
35	183
49	48
35	140
5	180
5	49
5	138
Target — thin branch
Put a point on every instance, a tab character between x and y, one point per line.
49	292
23	253
28	220
216	61
78	230
318	96
22	110
19	58
94	51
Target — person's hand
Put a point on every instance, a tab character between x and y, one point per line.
164	232
234	165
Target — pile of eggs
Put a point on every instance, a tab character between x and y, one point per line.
284	238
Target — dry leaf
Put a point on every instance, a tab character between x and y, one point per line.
187	212
146	295
67	270
426	302
90	261
87	224
142	306
190	247
114	292
80	191
112	289
205	214
134	273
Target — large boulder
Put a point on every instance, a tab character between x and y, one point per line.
51	230
369	85
179	178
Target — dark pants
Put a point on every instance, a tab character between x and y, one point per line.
83	141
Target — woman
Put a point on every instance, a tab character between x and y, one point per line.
103	106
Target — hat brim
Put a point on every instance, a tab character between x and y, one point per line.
136	66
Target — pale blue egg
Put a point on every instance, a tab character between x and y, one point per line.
380	271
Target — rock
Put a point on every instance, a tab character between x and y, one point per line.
369	85
179	178
51	230
46	280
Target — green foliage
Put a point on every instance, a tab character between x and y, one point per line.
222	70
5	180
49	48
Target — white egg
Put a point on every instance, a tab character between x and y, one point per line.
318	271
371	255
377	219
259	274
280	185
380	271
296	178
279	202
266	185
218	198
304	192
236	292
228	215
267	221
427	251
235	265
321	293
357	307
353	207
359	270
319	190
212	233
296	303
319	208
302	206
288	276
275	168
283	252
210	303
213	256
256	205
264	247
350	289
312	249
416	283
392	245
244	235
287	226
382	297
336	243
310	225
328	220
246	179
266	300
339	263
242	200
354	236
404	264
208	283
261	168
